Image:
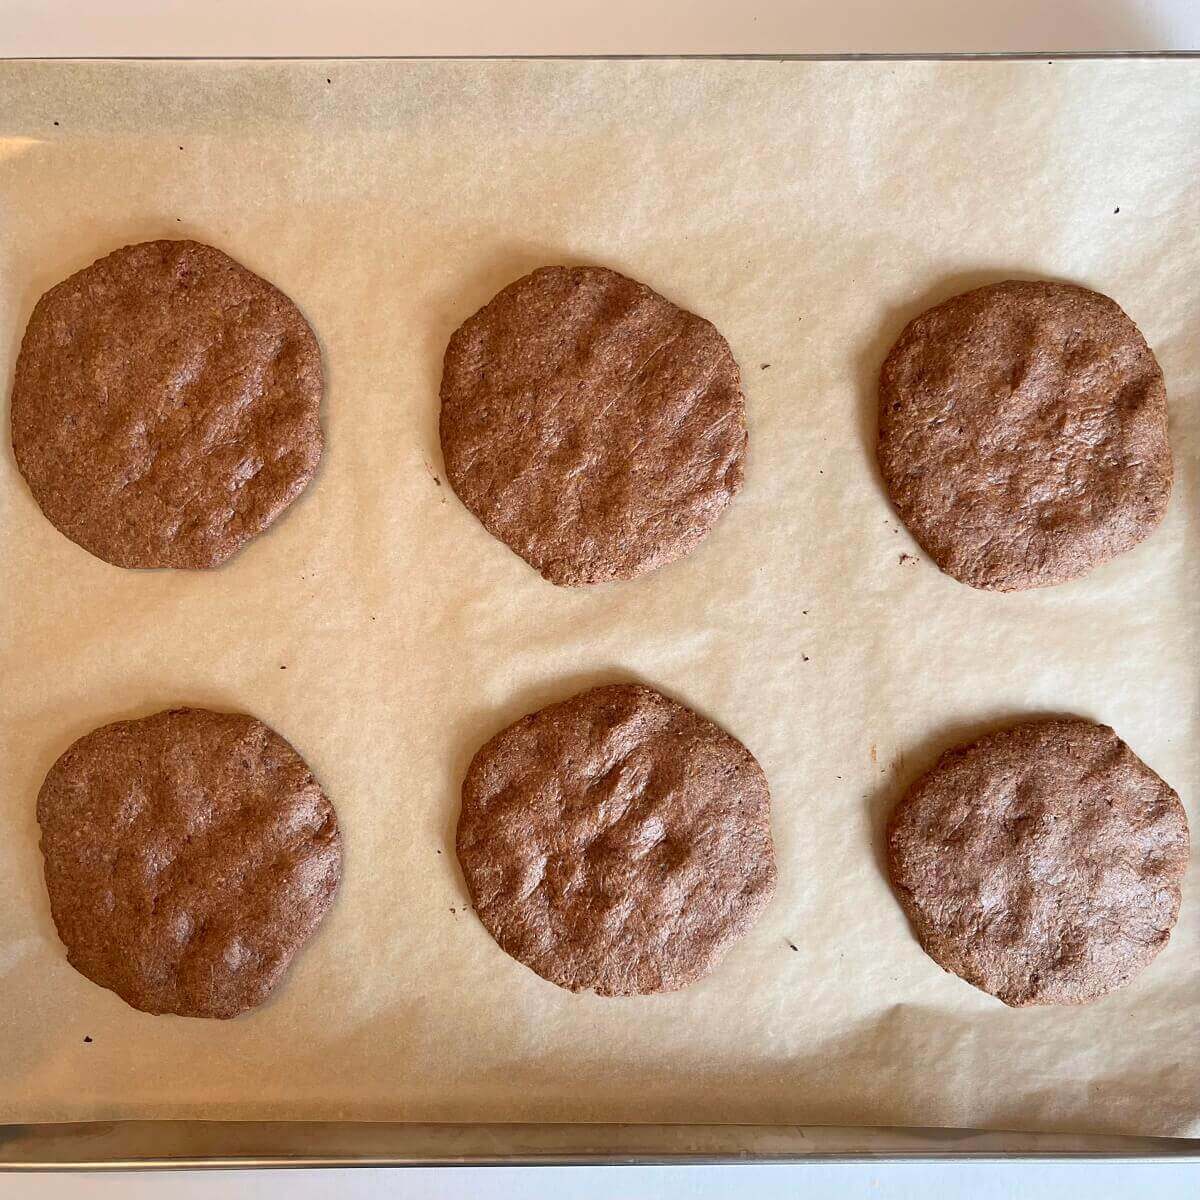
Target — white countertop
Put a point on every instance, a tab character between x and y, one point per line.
976	1181
59	28
404	27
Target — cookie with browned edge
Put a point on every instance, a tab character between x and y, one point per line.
591	425
616	841
189	855
1041	863
1023	434
166	405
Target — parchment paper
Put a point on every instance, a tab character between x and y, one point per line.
808	209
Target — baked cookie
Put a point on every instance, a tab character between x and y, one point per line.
166	405
592	426
1042	863
188	856
1023	434
616	842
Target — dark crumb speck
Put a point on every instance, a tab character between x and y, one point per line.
89	1039
439	852
906	558
282	667
179	219
85	1036
328	80
764	366
794	946
1117	209
804	612
452	910
181	147
804	657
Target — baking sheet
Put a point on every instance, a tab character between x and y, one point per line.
808	209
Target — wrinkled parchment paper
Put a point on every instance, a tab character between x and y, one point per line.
809	210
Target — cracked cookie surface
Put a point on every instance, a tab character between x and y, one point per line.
1023	434
616	841
188	856
166	405
594	427
1041	863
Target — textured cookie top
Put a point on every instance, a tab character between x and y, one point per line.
592	426
616	841
1042	864
188	856
1023	434
166	405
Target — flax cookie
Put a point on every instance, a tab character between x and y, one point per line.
166	405
188	856
1042	863
591	425
616	842
1023	434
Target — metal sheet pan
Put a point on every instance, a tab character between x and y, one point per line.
192	1144
122	1145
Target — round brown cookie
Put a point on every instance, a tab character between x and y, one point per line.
1023	434
188	856
592	426
1042	863
616	841
165	408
